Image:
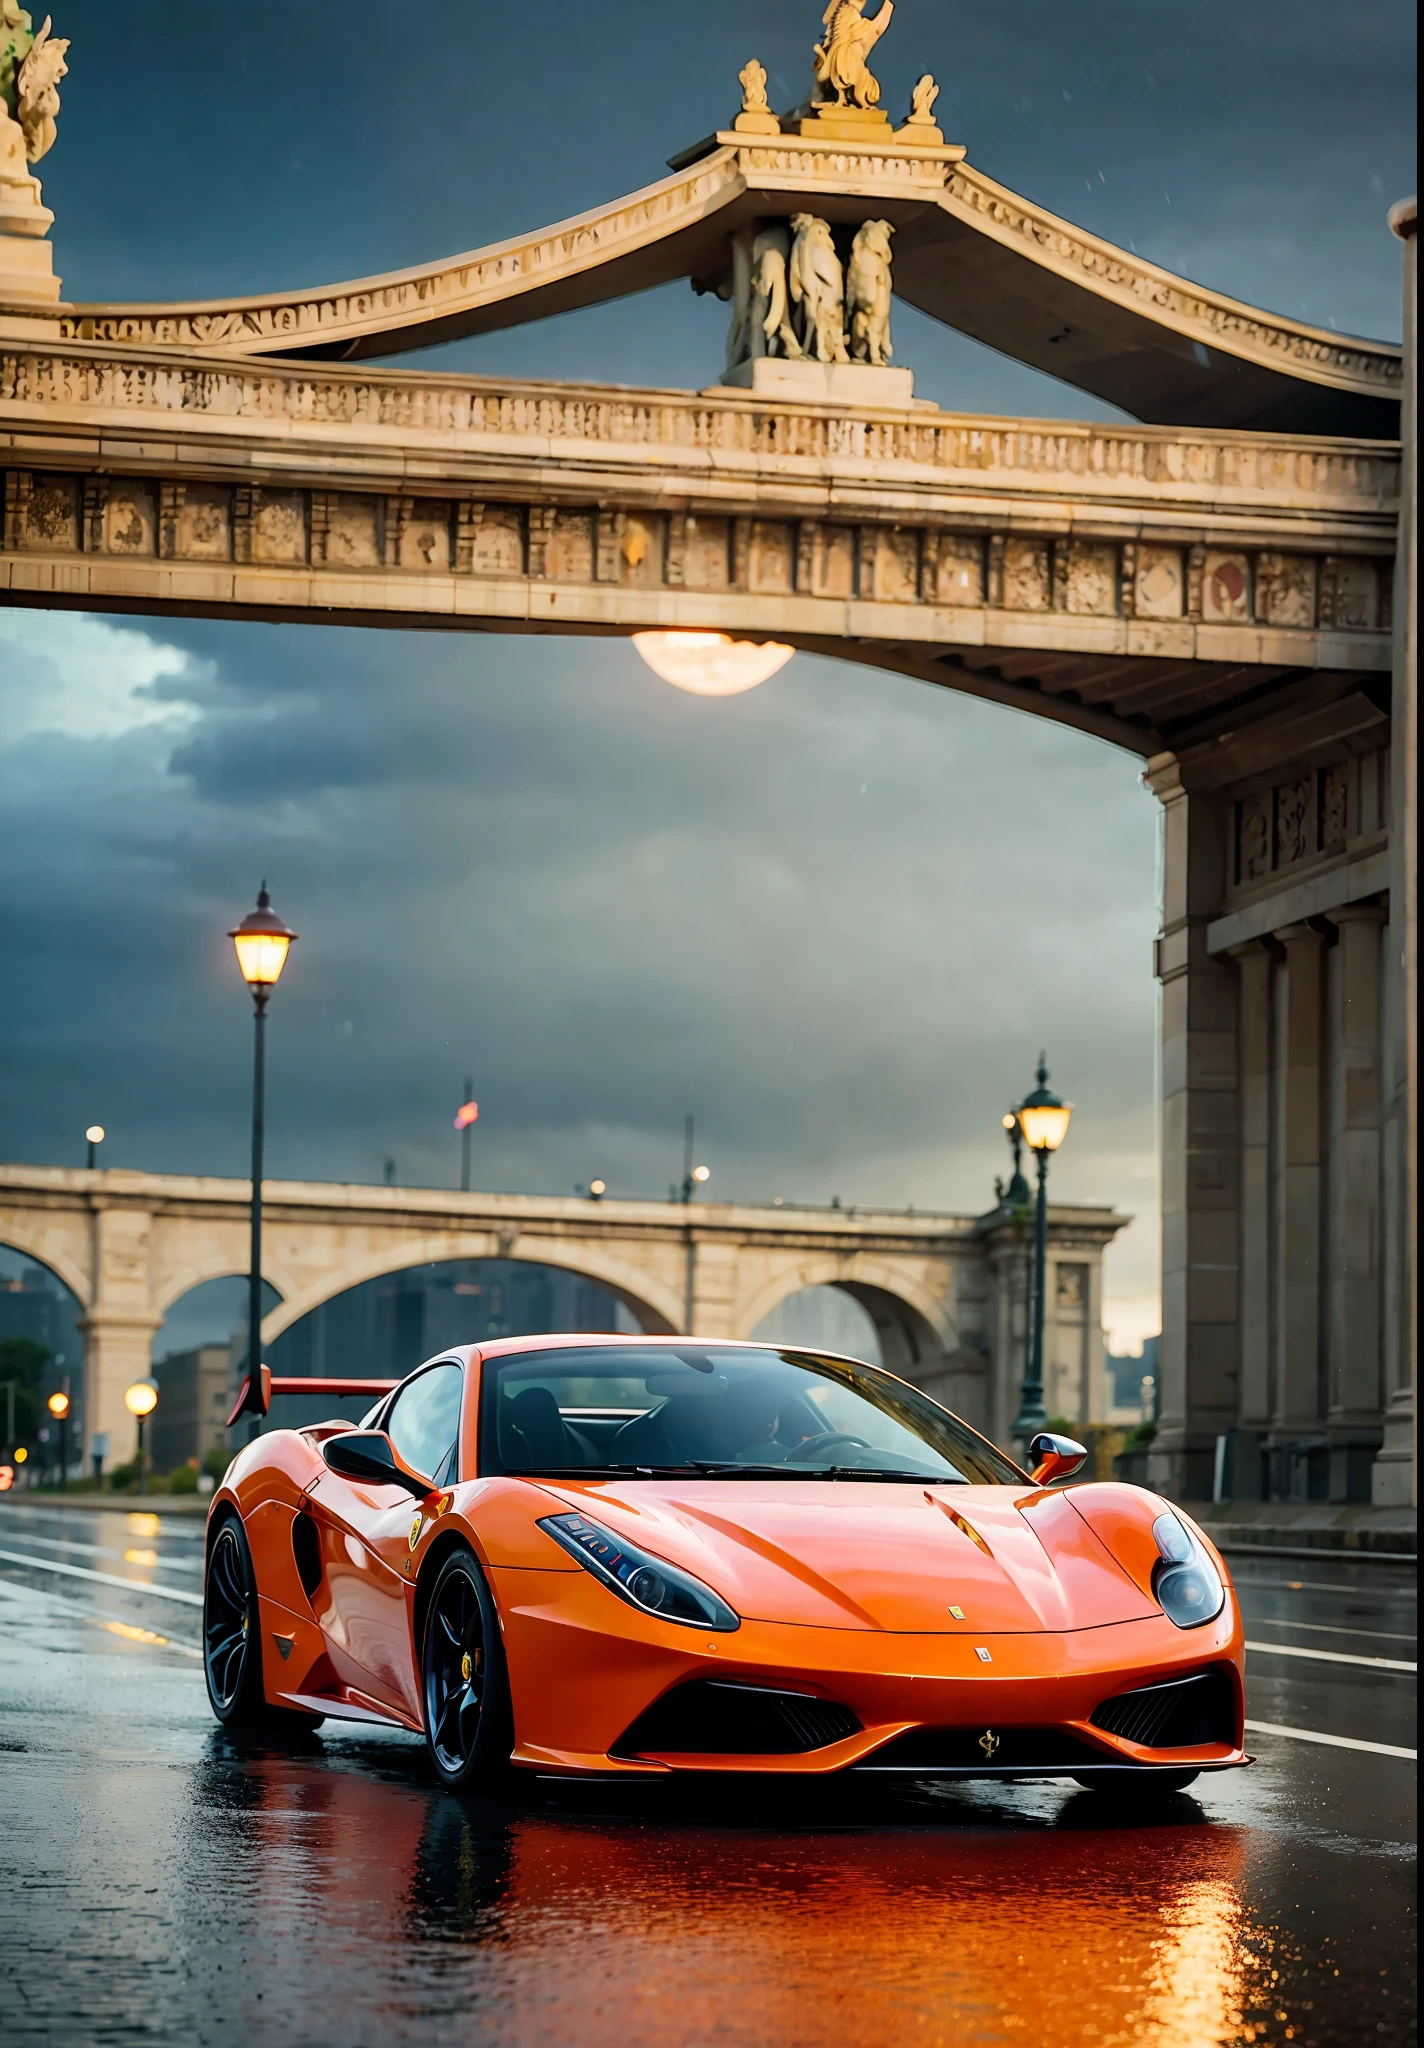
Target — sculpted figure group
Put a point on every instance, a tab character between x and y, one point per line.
795	298
31	66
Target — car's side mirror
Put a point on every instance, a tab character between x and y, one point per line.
1054	1457
367	1454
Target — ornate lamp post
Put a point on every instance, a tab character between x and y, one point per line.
1043	1118
141	1399
262	942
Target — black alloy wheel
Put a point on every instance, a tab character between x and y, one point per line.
467	1721
232	1642
1138	1784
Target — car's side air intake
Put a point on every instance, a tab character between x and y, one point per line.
711	1717
1179	1715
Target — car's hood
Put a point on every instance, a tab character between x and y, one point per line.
865	1555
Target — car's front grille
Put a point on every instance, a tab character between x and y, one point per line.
1181	1714
983	1750
714	1717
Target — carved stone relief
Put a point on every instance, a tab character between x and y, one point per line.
1160	588
1226	588
1354	595
707	554
425	535
1253	838
52	513
959	569
279	529
897	566
1092	577
1285	589
350	531
202	527
498	545
642	546
1025	575
1334	810
569	558
130	524
1295	823
835	568
771	564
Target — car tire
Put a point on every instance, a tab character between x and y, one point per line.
232	1639
464	1684
1138	1784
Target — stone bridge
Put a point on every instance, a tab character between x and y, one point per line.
1225	590
945	1292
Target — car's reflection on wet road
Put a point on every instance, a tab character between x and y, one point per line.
167	1884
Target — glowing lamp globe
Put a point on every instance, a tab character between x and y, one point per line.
1044	1116
58	1405
95	1134
711	664
262	942
141	1398
702	1173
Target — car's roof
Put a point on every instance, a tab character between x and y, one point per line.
500	1347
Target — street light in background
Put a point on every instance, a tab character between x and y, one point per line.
262	943
711	664
597	1189
58	1405
1043	1118
94	1138
466	1117
141	1399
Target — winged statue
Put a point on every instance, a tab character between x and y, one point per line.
841	60
37	83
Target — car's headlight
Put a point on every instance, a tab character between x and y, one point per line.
1184	1580
650	1584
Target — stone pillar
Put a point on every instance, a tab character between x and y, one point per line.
1255	966
118	1327
1201	1347
1297	1407
1353	1266
1395	1478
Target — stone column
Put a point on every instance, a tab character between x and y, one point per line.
119	1325
1255	965
1201	1346
1353	1264
1297	1408
1395	1479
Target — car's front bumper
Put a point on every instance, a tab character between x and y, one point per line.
584	1666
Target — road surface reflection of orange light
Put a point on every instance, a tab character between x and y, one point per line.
711	664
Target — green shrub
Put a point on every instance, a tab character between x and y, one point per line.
184	1480
1138	1439
121	1477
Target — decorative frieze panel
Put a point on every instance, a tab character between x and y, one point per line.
1310	816
892	562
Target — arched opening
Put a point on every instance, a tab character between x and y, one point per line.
822	1319
199	1353
41	1353
383	1328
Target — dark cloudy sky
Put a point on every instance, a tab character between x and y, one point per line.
835	917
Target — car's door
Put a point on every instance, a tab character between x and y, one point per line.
365	1540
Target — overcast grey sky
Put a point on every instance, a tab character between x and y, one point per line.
835	917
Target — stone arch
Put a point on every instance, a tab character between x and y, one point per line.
658	1308
37	1245
200	1274
915	1331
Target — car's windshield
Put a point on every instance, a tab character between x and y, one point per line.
720	1411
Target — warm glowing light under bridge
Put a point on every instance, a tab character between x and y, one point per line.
711	664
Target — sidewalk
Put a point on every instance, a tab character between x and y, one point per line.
1295	1528
109	1503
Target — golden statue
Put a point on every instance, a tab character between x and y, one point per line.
841	60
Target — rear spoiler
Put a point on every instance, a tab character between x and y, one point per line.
258	1400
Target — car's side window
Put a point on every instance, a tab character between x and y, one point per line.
424	1423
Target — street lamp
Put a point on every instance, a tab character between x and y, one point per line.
141	1399
58	1405
1043	1118
262	942
94	1138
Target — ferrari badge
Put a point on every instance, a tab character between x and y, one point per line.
988	1742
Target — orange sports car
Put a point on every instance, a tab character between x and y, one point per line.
600	1556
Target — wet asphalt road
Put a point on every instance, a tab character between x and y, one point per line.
163	1884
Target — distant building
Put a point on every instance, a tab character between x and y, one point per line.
1125	1376
193	1405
